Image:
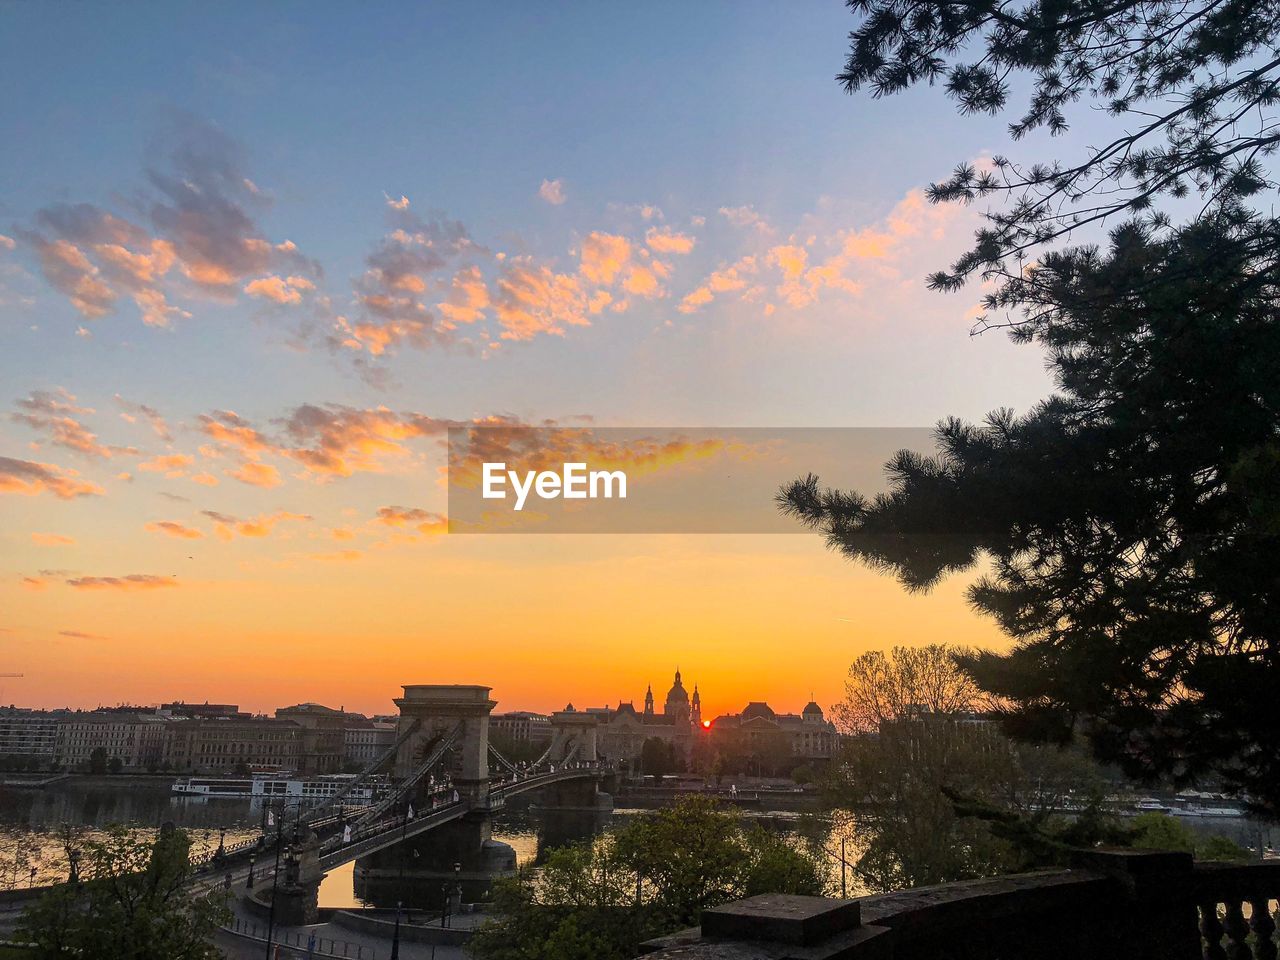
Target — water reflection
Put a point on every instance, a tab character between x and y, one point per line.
32	824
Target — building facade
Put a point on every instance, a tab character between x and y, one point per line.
323	741
761	732
228	743
365	740
522	726
135	739
624	729
30	735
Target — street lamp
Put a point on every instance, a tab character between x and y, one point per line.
395	934
248	885
275	882
457	888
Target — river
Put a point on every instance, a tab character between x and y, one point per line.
34	822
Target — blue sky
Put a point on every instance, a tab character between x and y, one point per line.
713	233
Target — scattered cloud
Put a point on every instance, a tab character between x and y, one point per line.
821	258
667	240
256	474
196	235
394	293
30	478
52	540
174	529
746	217
53	413
281	290
424	521
227	527
128	582
172	465
80	635
552	191
132	412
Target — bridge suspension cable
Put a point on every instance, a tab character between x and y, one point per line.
403	789
502	761
364	775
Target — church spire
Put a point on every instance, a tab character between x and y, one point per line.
648	701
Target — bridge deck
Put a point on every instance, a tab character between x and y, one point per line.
389	832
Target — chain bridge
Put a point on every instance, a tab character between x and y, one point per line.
438	785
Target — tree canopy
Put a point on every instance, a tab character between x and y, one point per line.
1128	526
1191	84
599	899
131	900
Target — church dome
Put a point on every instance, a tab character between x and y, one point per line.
757	708
677	692
811	709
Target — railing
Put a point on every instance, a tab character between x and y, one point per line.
1114	905
1234	904
306	944
406	786
387	832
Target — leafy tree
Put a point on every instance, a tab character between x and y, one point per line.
1159	831
1192	87
657	757
600	899
940	793
1218	847
132	902
115	765
906	683
98	760
1129	526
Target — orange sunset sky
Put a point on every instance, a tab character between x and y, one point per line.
253	264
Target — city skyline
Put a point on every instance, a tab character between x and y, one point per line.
243	301
583	704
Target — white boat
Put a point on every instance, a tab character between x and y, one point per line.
279	786
1201	810
1151	805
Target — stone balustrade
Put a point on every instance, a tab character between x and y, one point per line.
1134	905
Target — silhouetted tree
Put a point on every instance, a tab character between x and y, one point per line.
1131	522
599	899
1193	86
908	682
657	757
133	901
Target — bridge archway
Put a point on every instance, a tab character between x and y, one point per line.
437	710
575	736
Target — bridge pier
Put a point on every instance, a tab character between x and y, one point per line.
579	795
458	854
296	894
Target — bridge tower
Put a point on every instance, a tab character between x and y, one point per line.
575	738
574	733
439	708
461	854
